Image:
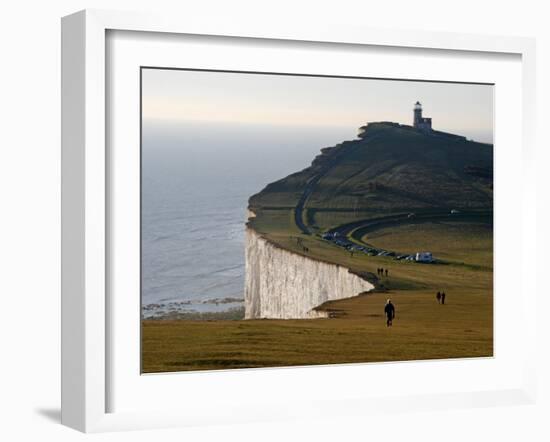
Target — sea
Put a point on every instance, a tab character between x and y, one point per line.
196	181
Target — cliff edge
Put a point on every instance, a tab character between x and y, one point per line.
280	284
305	237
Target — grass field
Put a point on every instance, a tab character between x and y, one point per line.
392	170
423	329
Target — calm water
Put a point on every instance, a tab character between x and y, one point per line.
196	181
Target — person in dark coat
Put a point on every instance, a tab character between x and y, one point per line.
443	298
389	310
386	272
438	297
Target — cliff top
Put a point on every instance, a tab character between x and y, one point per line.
390	167
392	174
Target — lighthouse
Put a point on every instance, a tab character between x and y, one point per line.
420	122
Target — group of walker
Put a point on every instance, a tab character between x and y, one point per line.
380	271
389	308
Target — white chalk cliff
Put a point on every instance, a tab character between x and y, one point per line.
283	285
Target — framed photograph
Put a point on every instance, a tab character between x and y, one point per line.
269	223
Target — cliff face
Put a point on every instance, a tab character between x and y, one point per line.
283	285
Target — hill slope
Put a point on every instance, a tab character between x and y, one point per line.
391	167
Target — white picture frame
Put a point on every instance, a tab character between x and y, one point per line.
86	203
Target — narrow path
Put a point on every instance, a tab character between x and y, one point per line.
314	180
340	235
385	221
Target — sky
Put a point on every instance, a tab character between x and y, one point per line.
181	96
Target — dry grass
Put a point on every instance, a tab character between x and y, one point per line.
423	329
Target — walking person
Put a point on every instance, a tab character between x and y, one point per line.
386	273
443	298
389	310
438	297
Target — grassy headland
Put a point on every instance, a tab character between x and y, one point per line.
393	170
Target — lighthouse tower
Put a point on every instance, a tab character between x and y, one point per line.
417	113
419	122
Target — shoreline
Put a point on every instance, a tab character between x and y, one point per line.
215	307
231	314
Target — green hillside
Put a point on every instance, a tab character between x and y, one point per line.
392	176
392	167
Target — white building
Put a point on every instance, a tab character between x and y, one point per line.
424	257
420	122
